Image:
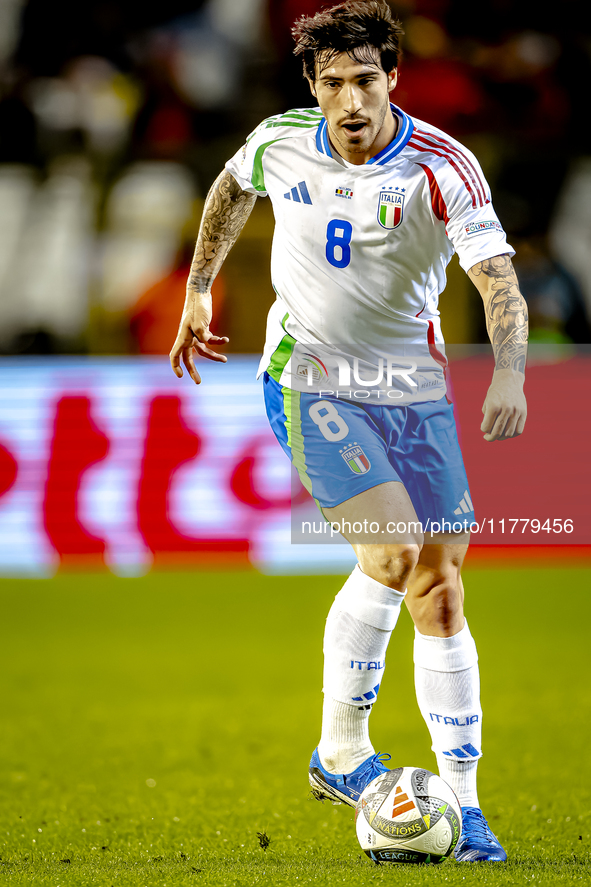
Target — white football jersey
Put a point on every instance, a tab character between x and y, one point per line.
360	252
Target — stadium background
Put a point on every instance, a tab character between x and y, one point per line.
114	121
154	723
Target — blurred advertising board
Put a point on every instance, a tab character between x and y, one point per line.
113	463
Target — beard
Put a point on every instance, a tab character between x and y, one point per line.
364	143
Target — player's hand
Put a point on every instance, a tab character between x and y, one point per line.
505	409
194	335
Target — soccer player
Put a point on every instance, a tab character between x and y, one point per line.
370	205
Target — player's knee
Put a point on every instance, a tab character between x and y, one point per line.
444	601
392	565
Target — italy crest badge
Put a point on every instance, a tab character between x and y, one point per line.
390	208
356	459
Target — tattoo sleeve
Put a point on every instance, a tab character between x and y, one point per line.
227	207
506	311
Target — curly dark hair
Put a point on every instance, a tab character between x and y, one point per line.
357	27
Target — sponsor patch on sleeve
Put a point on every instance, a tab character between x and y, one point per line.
481	227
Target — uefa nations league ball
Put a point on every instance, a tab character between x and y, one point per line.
408	815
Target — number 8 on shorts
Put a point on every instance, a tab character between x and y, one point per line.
332	426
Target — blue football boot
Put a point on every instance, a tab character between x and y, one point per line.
345	787
477	843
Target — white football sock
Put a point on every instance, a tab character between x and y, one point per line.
448	693
344	743
358	629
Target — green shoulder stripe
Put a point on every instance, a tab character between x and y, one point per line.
258	175
263	125
299	114
292	123
304	115
302	119
315	111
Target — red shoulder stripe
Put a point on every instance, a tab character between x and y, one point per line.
437	201
436	143
463	159
453	163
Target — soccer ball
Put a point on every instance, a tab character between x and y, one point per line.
408	815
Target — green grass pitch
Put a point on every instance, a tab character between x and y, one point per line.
150	728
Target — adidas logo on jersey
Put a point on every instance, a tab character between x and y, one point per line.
465	505
299	194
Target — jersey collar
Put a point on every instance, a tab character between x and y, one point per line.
403	134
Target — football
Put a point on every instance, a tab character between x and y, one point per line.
408	815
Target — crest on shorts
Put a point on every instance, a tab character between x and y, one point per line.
391	207
356	459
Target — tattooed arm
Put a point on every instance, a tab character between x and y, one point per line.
504	408
226	210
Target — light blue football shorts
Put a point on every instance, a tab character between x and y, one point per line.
341	448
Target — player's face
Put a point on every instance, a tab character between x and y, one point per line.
354	98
